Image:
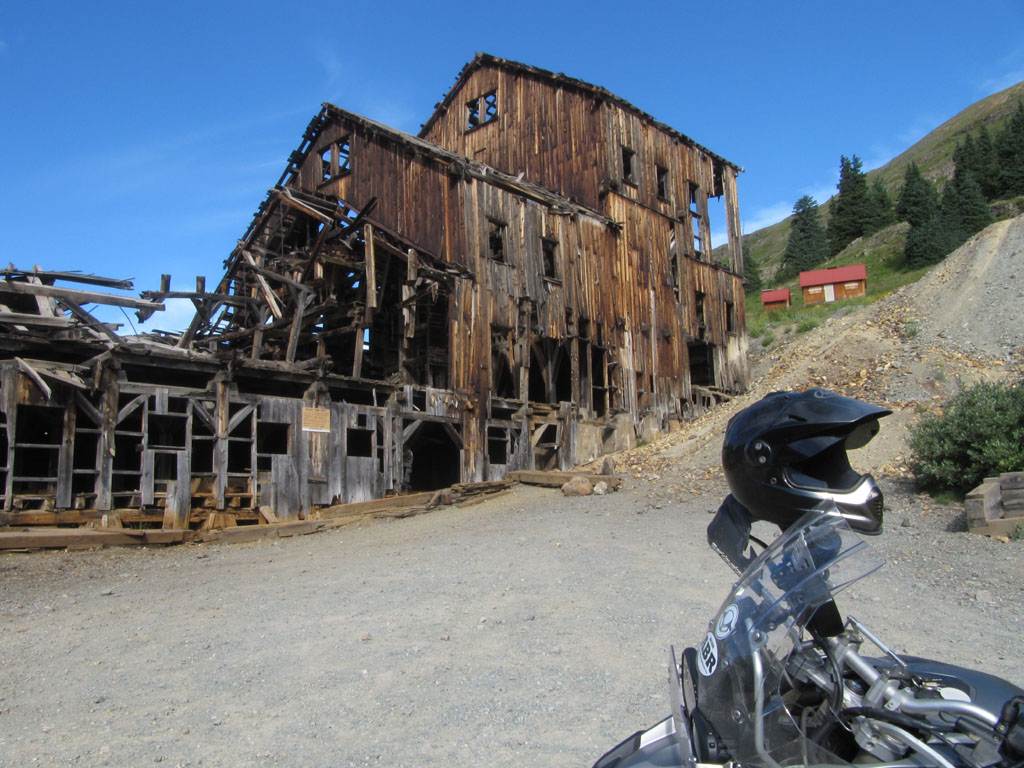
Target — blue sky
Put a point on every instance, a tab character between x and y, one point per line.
138	138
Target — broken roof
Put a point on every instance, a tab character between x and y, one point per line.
563	80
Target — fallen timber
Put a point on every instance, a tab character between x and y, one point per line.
224	529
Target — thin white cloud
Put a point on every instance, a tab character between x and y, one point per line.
765	217
1001	83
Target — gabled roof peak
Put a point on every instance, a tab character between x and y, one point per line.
562	80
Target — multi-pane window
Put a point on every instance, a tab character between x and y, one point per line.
481	110
335	159
695	220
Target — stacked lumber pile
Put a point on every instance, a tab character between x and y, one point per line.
996	507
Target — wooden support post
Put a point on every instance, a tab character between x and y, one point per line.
220	449
371	270
7	393
303	300
268	294
65	461
105	450
357	357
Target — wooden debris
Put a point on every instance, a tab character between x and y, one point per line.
558	479
996	507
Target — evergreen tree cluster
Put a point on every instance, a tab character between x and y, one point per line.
986	168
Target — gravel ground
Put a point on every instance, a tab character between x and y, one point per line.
528	630
532	629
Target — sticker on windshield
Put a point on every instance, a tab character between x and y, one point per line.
727	622
707	659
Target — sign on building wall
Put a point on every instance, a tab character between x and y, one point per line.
316	420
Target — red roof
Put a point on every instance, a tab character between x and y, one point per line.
778	294
833	275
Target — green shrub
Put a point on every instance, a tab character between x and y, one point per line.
806	325
768	338
980	433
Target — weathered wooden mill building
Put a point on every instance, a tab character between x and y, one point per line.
526	284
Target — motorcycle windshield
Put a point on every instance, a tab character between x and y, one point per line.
743	687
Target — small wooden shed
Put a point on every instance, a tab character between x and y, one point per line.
834	284
777	298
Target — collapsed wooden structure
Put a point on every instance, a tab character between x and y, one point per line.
526	284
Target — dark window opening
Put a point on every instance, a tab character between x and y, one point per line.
628	165
662	177
166	431
435	458
428	356
239	456
472	114
490	106
550	378
272	437
600	390
360	442
36	464
730	317
702	372
545	450
127	453
497	445
165	466
243	428
84	456
496	241
549	254
698	306
502	382
202	456
40	424
132	422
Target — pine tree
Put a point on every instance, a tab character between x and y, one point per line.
918	201
964	210
928	243
751	271
850	209
807	246
881	213
1010	149
987	165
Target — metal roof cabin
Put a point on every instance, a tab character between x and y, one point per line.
834	283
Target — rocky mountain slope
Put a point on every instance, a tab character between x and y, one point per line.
910	351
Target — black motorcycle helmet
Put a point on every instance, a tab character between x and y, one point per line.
786	454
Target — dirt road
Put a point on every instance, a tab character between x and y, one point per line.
530	630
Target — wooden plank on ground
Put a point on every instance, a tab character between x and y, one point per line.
60	538
375	505
558	479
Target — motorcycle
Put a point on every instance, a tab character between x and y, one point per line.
781	679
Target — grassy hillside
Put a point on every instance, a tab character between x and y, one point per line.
933	155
